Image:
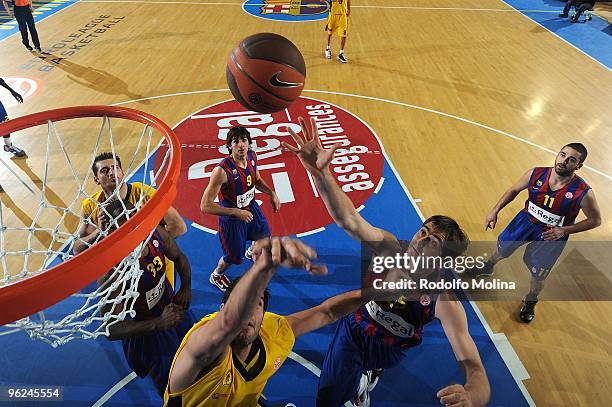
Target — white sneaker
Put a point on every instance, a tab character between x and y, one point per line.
15	150
220	281
328	53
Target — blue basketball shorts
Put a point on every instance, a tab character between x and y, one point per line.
234	234
3	117
540	256
352	353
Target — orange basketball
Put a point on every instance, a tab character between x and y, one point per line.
266	72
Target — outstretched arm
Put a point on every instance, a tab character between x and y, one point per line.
316	160
15	94
506	198
209	343
476	391
327	312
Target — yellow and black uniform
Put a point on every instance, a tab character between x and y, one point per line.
136	191
232	382
338	17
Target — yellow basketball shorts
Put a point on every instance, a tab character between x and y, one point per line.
338	23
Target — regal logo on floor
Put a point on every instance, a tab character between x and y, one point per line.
357	165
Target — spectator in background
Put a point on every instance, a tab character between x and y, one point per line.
23	14
580	6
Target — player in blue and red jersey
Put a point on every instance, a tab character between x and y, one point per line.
240	218
153	335
556	196
377	335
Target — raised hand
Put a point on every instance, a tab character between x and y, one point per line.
286	252
310	151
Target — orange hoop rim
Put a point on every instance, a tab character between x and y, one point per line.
38	292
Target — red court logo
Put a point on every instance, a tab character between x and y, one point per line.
357	166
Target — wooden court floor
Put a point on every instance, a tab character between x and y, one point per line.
464	96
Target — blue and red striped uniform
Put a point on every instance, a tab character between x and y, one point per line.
376	336
564	202
240	181
154	288
239	192
152	353
544	208
407	321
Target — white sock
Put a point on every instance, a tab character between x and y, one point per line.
7	141
328	48
342	51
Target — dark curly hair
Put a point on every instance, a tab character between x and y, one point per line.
456	240
237	133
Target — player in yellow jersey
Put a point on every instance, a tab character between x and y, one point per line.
107	174
337	20
227	358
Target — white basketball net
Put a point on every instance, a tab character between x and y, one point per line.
48	227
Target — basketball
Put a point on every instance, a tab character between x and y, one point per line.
266	72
